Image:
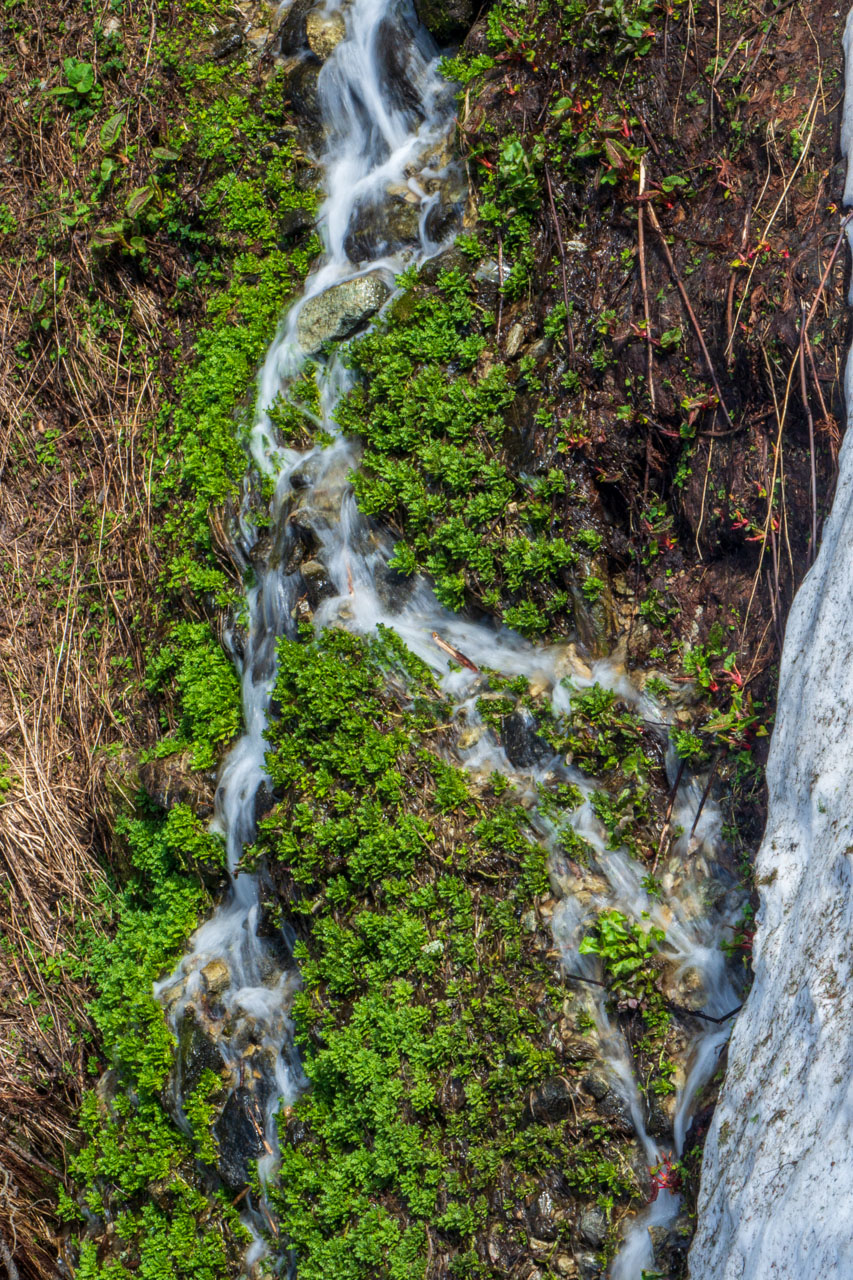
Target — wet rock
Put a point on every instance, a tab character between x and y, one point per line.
296	1131
503	1251
197	1052
318	584
324	32
445	216
688	990
292	222
172	780
671	1243
397	73
447	20
292	34
617	1113
341	310
393	588
658	1123
106	1092
378	228
592	1226
217	977
239	1132
594	619
451	259
307	526
264	801
542	1223
561	877
596	1085
231	42
452	1096
306	475
524	747
299	82
589	1268
551	1101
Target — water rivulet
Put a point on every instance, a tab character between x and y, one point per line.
395	196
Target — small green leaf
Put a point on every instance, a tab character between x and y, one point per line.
163	154
111	129
80	75
108	168
138	200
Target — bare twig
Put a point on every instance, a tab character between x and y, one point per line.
670	262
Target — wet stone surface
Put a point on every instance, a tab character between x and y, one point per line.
341	310
240	1134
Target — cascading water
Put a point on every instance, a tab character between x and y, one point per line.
389	118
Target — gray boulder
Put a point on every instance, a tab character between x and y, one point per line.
341	310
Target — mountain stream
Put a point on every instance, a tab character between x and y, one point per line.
389	123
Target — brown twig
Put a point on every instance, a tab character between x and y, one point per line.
670	262
562	251
641	251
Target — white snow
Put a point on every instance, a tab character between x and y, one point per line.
776	1198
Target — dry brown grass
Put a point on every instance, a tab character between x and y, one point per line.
77	576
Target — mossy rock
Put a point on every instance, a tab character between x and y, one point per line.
447	20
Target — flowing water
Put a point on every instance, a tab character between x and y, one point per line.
389	119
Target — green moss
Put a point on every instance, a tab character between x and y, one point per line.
422	1025
136	1167
207	691
435	466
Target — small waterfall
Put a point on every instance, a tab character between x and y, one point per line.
389	120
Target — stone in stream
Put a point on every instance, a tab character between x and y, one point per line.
293	34
671	1243
380	227
341	310
299	81
239	1132
524	748
399	69
197	1052
324	32
393	588
216	976
318	584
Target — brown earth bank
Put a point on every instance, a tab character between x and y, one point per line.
687	221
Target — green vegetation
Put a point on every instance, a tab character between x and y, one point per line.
137	1169
407	889
433	466
213	198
